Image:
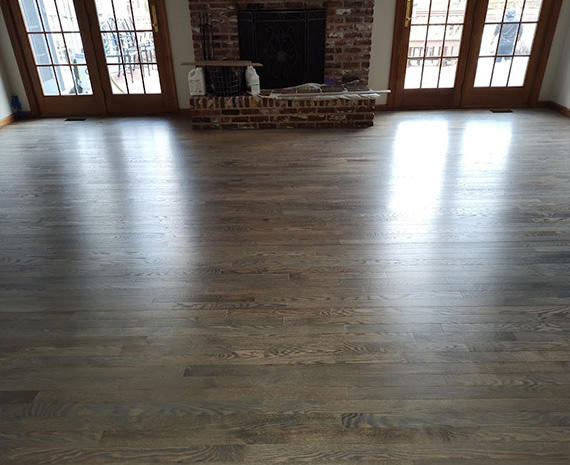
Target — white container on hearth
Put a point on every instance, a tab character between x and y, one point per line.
197	81
252	81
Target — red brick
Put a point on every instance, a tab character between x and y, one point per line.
249	111
208	112
248	126
357	116
288	118
259	119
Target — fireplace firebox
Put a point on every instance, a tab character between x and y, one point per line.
290	45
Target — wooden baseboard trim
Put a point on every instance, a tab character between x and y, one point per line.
381	107
6	121
553	106
559	108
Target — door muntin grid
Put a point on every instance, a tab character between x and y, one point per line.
57	48
128	40
507	41
434	43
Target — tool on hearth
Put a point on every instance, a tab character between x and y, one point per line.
206	32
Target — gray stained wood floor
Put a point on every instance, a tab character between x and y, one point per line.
398	295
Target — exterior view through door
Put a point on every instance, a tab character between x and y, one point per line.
127	35
506	44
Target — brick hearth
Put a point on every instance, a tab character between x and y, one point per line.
246	112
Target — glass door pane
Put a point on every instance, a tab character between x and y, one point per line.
53	32
434	44
508	37
127	35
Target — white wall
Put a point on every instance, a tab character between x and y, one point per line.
9	73
556	84
382	34
560	92
178	16
5	109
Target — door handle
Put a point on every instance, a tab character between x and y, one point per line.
154	18
408	18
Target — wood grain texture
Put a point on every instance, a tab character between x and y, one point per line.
6	120
393	296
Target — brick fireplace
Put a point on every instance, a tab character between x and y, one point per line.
348	41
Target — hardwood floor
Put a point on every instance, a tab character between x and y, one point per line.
392	296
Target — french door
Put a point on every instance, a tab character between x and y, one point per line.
93	57
470	53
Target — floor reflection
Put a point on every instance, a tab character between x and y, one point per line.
485	145
420	152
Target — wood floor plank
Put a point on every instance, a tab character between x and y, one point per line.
361	452
301	434
49	438
280	297
68	455
17	396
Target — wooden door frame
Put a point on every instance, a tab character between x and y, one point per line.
396	86
553	17
549	16
32	85
167	80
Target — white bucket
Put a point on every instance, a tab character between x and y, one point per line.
252	81
197	81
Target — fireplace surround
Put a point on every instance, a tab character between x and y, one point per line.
348	42
348	34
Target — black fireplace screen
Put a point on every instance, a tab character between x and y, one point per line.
289	44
